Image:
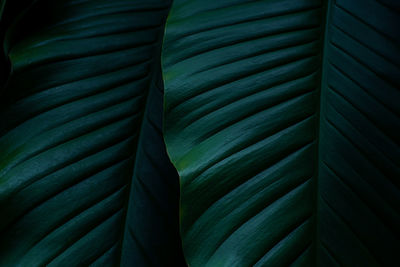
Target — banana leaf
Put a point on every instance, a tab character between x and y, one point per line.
84	175
282	118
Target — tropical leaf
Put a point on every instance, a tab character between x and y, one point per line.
84	177
359	162
152	230
282	119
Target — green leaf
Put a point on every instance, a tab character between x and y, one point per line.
282	119
84	176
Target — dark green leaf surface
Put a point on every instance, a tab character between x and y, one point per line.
80	116
277	170
152	231
359	162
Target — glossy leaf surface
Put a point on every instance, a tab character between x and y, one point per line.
282	118
84	177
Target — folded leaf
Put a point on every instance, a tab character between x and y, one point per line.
277	170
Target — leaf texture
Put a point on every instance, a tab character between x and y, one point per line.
241	98
282	121
359	162
79	132
152	227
